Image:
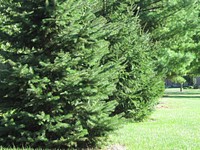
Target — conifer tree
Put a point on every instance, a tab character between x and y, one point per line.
54	87
139	85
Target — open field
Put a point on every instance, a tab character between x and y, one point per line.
175	125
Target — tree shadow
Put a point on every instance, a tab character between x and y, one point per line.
182	93
183	96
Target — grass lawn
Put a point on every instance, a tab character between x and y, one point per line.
175	125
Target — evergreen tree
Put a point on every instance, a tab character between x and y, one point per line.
54	87
139	85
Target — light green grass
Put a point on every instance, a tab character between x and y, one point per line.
175	125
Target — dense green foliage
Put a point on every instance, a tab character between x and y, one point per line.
139	84
70	67
175	26
54	89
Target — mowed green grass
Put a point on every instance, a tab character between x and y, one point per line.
175	125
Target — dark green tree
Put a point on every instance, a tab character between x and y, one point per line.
140	84
54	86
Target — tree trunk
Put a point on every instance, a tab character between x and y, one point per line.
181	88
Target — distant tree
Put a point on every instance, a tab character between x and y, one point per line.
174	26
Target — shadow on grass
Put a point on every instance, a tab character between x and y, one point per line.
183	93
182	96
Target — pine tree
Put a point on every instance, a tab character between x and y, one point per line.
54	87
139	85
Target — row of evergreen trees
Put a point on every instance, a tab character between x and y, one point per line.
70	69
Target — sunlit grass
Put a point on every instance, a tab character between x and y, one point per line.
175	125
